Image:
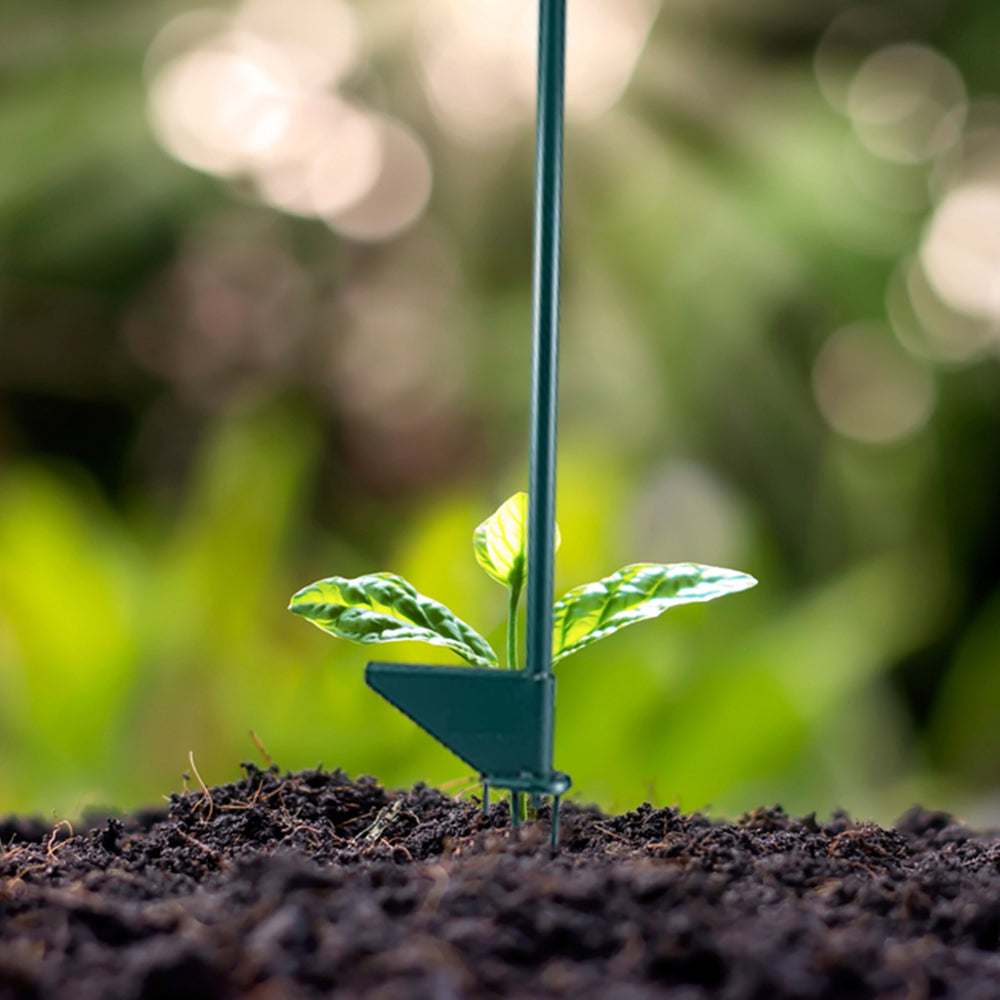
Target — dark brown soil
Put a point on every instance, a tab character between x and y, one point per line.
311	885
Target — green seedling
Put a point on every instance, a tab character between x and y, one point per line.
383	607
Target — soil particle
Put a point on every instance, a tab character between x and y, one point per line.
280	887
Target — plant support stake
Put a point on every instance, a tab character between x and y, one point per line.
545	356
502	722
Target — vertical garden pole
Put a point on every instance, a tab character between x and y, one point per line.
545	367
510	742
545	334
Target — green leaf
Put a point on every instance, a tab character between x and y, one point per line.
644	590
383	607
500	542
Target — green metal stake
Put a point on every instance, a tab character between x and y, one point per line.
545	355
501	722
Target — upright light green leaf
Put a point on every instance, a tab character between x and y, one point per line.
644	590
500	542
383	607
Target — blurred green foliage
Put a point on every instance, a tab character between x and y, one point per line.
205	403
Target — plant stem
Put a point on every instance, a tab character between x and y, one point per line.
515	596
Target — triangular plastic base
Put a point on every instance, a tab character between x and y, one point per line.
499	722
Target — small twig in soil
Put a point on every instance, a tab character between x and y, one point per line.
260	746
248	804
11	851
860	836
18	879
669	840
214	855
50	844
610	833
296	825
395	847
455	781
467	789
204	787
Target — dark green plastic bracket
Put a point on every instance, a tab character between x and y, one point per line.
501	722
498	722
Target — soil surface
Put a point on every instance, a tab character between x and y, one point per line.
312	885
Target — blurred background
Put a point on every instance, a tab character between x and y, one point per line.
265	317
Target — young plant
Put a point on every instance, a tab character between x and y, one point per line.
383	607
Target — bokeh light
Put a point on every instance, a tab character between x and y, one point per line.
868	389
223	106
329	157
685	512
961	251
398	193
208	323
320	39
907	103
478	60
925	325
254	96
849	39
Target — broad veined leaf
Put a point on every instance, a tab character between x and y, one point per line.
633	594
500	542
383	607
